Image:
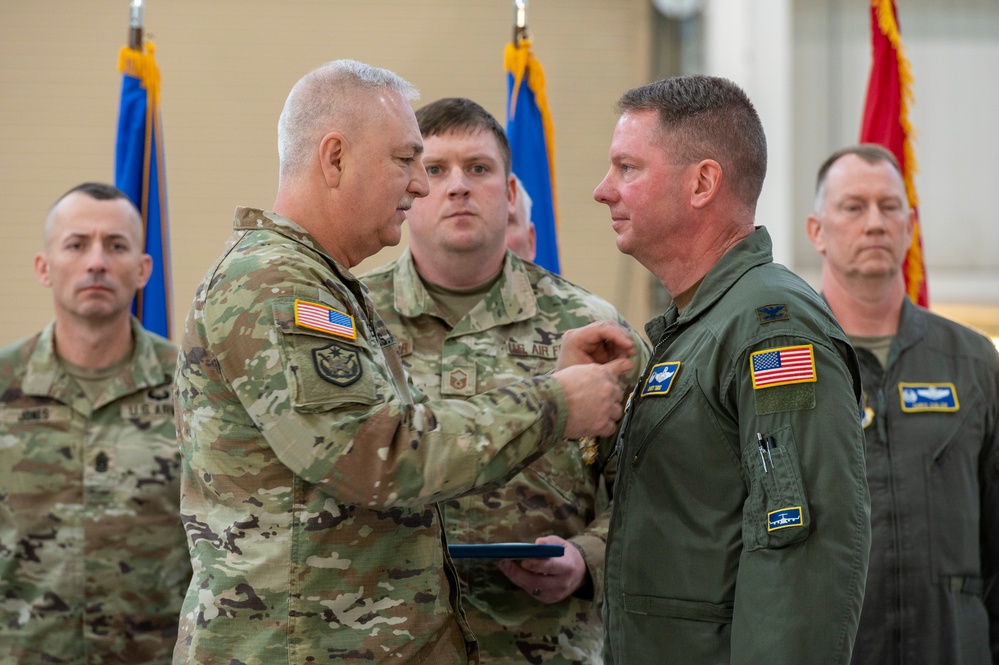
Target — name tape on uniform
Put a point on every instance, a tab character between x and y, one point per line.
928	397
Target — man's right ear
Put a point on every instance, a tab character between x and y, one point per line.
332	151
42	269
814	228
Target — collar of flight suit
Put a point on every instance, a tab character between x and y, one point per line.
752	251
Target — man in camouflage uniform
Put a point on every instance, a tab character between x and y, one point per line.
311	467
93	559
469	316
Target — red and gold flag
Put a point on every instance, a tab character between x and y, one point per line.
886	122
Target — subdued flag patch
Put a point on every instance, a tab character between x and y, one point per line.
928	397
782	366
326	319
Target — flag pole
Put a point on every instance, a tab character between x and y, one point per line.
519	21
135	25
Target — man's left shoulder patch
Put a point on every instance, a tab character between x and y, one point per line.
772	313
338	363
928	397
782	366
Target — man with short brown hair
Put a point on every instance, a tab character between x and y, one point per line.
93	558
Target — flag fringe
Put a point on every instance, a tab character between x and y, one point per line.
915	275
143	67
888	25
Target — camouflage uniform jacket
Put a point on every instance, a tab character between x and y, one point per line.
513	332
93	559
311	474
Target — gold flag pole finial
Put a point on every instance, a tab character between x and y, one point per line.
135	24
520	21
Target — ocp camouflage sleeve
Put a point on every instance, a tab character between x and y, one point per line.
514	332
310	473
93	558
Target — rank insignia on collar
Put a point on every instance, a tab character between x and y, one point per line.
338	363
916	397
660	379
325	319
771	313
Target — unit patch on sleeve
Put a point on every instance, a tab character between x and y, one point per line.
326	319
660	378
782	366
784	518
338	364
928	397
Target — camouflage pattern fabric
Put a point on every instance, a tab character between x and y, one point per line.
512	333
93	559
310	471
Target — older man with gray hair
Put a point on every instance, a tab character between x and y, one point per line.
521	238
312	468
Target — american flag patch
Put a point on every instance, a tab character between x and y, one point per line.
779	367
326	319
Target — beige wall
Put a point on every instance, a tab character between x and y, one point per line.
227	66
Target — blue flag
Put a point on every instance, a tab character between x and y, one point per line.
530	131
139	172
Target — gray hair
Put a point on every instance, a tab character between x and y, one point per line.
324	100
523	199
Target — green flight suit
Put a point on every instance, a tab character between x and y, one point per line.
932	428
722	550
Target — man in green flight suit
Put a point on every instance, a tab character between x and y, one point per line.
469	316
931	420
93	559
312	468
740	530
